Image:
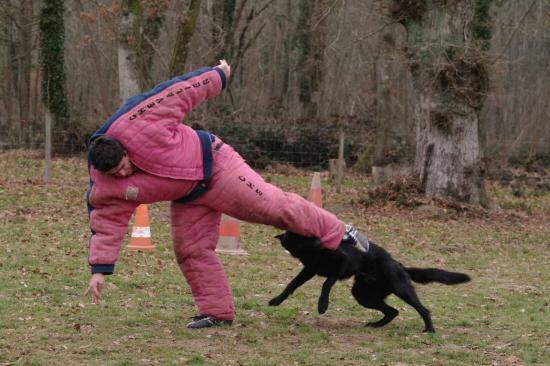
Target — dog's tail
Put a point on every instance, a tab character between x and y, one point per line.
427	275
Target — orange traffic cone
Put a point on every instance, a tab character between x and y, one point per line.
141	232
230	233
315	194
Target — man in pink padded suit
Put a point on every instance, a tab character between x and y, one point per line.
144	154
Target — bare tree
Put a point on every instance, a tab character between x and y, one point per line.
310	43
129	79
344	62
8	42
19	38
185	33
447	42
52	41
517	123
91	50
233	30
140	25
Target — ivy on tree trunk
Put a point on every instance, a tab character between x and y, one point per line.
447	40
52	39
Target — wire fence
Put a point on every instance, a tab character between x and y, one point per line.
302	144
307	145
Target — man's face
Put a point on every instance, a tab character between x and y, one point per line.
124	169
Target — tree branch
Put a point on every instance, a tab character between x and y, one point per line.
501	54
162	58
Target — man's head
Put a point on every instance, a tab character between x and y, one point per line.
109	156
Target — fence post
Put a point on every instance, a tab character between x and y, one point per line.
340	163
48	145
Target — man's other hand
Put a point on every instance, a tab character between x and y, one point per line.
95	286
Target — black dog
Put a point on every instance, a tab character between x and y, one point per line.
377	275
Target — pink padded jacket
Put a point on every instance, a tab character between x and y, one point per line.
149	126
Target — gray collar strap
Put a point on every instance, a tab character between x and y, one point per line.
361	241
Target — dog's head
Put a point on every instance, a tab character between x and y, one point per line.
299	245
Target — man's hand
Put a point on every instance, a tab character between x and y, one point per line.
95	286
224	66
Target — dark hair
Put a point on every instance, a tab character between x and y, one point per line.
106	153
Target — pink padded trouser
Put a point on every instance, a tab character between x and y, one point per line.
237	190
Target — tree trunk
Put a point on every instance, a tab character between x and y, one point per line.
8	93
186	30
447	42
310	43
384	120
284	95
128	77
101	79
24	72
228	29
316	64
448	159
139	28
52	44
151	22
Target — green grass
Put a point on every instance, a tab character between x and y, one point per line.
500	318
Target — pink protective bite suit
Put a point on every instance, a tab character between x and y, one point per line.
234	189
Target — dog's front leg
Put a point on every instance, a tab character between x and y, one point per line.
301	278
340	259
325	293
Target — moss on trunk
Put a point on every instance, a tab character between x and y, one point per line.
446	44
181	48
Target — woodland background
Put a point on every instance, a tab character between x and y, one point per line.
302	70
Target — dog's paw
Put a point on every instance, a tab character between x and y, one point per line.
322	307
276	301
377	324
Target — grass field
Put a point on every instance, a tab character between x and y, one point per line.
500	318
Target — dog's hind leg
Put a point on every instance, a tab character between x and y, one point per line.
389	314
372	300
301	278
378	304
405	290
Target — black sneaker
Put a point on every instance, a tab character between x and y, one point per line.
353	237
204	321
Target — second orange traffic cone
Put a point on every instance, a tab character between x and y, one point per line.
315	195
141	232
230	237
